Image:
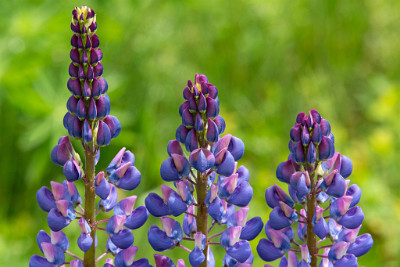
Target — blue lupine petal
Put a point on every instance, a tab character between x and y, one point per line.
156	206
236	147
242	195
353	218
346	261
41	237
130	180
125	257
252	228
38	261
321	228
278	220
85	241
285	170
227	166
72	170
45	199
137	218
196	257
53	253
355	192
267	251
103	134
337	187
114	125
361	246
60	240
123	239
163	261
109	203
158	239
56	220
240	251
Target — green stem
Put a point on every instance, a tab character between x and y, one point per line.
90	204
311	204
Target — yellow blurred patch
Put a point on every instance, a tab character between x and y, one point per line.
381	141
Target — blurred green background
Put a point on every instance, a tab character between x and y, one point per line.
269	59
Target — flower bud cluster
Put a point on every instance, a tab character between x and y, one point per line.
88	119
198	190
316	178
88	107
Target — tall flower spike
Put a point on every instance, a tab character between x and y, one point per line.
199	193
316	177
88	119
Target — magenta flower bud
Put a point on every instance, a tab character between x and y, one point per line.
73	70
316	136
267	251
191	104
98	70
85	241
325	127
298	153
296	133
81	73
202	159
137	218
81	109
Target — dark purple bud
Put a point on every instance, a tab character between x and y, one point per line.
114	125
62	152
85	241
81	109
192	106
191	142
181	134
75	127
300	117
202	105
75	27
92	110
305	136
295	133
186	93
326	148
123	239
81	72
72	170
74	86
316	136
74	55
102	186
84	57
212	108
174	147
93	57
202	159
98	70
137	218
156	206
103	107
311	155
212	131
298	153
310	121
187	118
212	91
163	261
267	251
252	229
361	246
86	92
242	195
182	107
196	257
56	220
73	71
83	30
109	203
325	127
90	73
220	122
103	134
74	41
316	116
198	123
95	41
93	26
88	44
159	240
352	219
72	104
355	192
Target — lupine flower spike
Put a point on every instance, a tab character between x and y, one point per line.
320	201
88	119
208	184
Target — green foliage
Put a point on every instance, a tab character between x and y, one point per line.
269	59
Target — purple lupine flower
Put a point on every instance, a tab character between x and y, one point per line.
207	183
88	119
315	173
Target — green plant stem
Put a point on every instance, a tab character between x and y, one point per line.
311	204
201	189
90	204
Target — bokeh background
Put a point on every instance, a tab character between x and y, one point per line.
269	59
